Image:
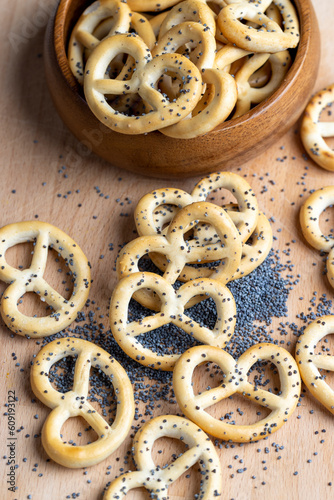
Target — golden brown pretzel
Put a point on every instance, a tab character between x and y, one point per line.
235	381
65	311
172	311
310	363
82	35
74	403
156	479
269	37
179	252
310	213
142	81
313	130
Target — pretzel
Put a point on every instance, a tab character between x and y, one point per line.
157	479
65	311
235	381
82	35
179	252
310	363
309	220
313	130
245	219
248	95
269	37
75	403
142	80
213	109
172	312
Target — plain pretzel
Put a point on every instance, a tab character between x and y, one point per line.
157	479
310	363
74	403
65	311
172	311
236	381
313	130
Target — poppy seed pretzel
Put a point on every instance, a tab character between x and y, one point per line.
178	251
145	74
157	479
313	130
65	311
269	37
83	36
172	311
309	217
74	403
235	381
310	363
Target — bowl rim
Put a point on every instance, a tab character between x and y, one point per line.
306	30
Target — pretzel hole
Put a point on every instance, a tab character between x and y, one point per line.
326	222
204	313
138	494
31	305
167	339
101	395
327	116
20	255
61	374
76	431
325	347
261	77
165	451
265	375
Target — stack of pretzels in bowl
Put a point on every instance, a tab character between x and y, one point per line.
205	246
185	70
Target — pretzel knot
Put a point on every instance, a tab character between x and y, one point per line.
313	130
235	381
75	403
179	251
65	311
156	479
172	312
309	221
147	71
310	363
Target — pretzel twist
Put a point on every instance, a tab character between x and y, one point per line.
156	479
83	37
235	381
269	37
310	213
179	252
143	80
172	311
310	363
65	311
313	130
75	403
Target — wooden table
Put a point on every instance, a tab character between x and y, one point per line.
46	176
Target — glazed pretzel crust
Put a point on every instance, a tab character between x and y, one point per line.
31	280
74	403
310	363
313	130
235	381
156	479
172	310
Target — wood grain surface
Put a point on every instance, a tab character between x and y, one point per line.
47	175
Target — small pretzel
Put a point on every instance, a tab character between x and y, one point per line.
213	109
179	252
235	381
248	95
310	363
245	218
269	37
313	130
143	80
309	220
82	35
157	479
75	403
189	10
65	311
172	312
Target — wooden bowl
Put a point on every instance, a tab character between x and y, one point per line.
155	154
